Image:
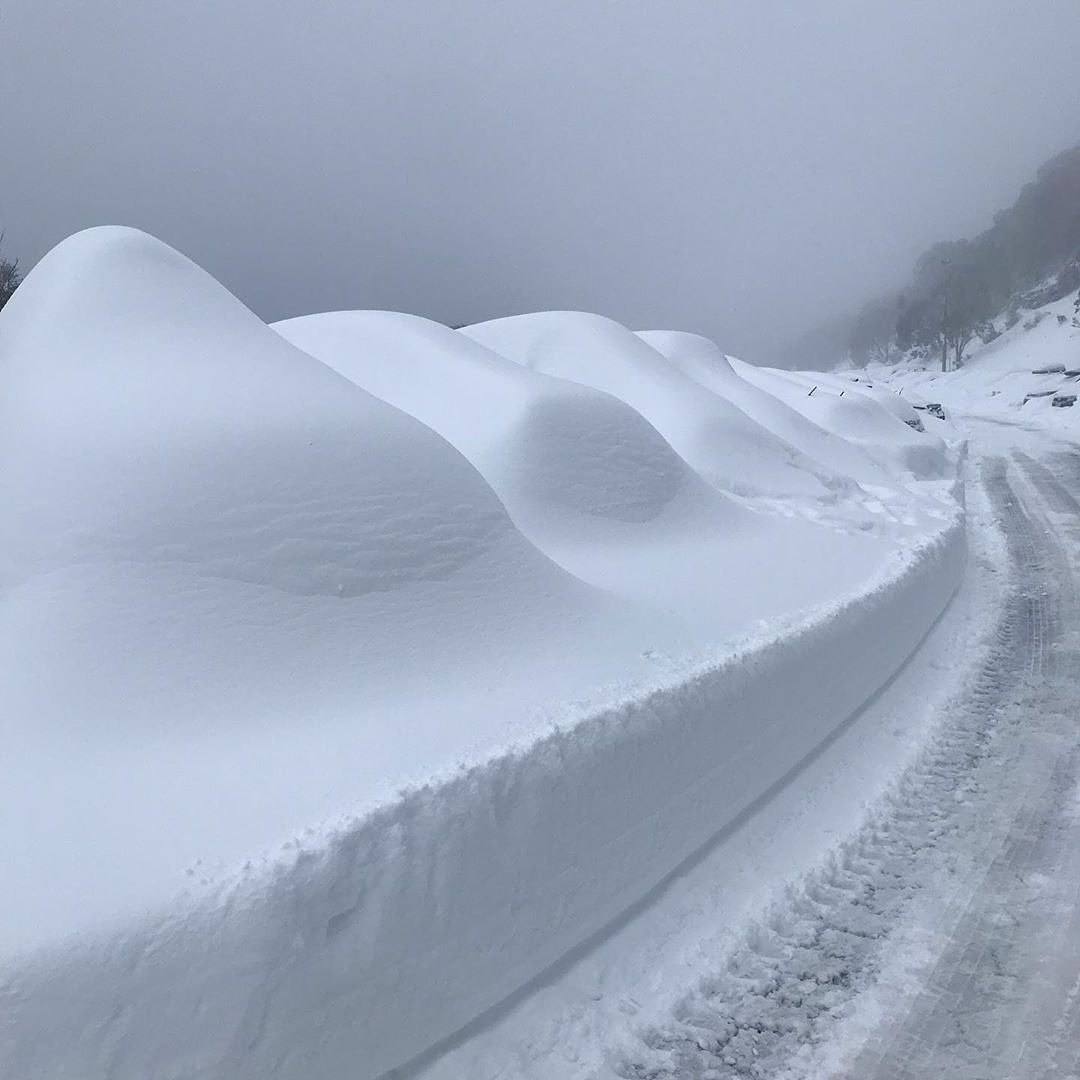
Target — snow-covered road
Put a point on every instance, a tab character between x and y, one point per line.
413	711
943	939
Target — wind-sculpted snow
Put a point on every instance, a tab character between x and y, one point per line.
701	360
721	442
149	417
216	549
320	738
838	405
535	438
585	477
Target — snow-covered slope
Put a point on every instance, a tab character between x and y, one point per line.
721	442
1015	377
313	756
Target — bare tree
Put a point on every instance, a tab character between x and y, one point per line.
9	276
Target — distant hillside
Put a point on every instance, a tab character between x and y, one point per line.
961	289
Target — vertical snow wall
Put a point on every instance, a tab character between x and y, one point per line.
369	946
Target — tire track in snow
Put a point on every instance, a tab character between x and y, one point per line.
962	858
985	1009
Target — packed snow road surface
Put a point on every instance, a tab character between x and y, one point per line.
943	939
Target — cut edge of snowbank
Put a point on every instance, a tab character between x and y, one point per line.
379	939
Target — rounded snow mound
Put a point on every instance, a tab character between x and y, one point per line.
719	440
700	359
151	417
540	442
838	406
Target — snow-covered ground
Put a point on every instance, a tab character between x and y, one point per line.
939	938
1014	378
381	696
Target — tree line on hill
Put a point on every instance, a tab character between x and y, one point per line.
958	287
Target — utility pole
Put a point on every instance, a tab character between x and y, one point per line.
945	316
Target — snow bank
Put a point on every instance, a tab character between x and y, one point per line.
701	360
720	441
854	416
123	360
239	594
313	756
541	442
365	947
587	479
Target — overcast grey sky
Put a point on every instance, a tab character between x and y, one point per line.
737	168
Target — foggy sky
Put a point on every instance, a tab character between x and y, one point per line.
741	169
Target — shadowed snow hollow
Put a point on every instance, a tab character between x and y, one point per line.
721	442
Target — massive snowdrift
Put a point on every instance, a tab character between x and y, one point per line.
840	406
728	448
702	360
314	756
211	536
587	479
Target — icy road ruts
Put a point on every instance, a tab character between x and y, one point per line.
944	939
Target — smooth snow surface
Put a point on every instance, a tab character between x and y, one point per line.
222	445
236	553
587	479
701	360
349	688
728	448
538	440
839	406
